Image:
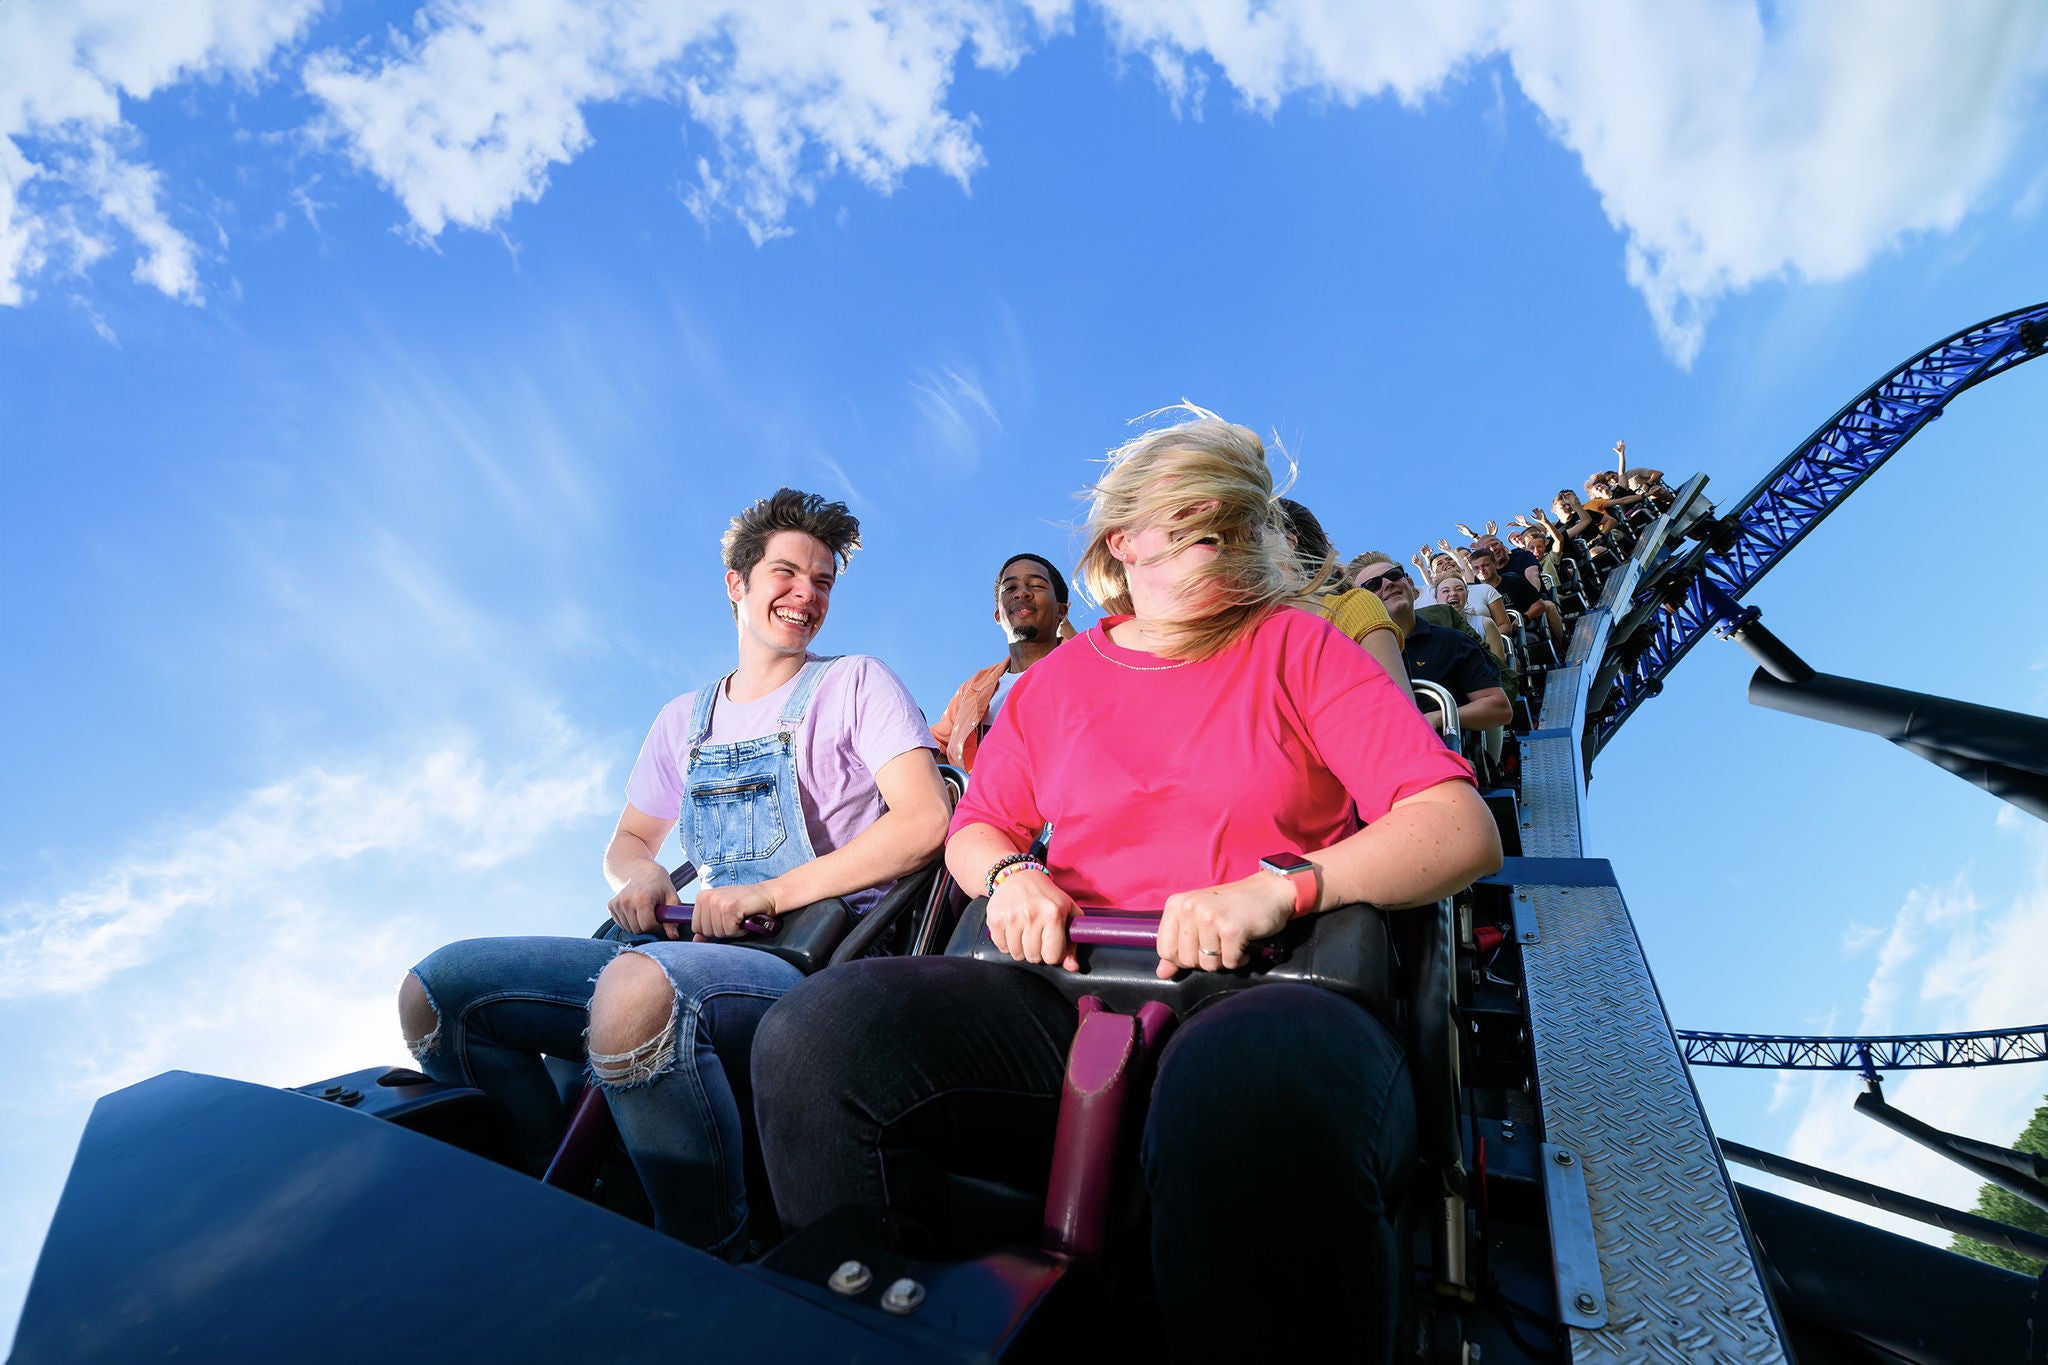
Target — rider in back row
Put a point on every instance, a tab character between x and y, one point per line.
1208	752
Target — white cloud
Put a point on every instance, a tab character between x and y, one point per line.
1728	148
98	323
468	118
66	147
956	407
1730	142
1948	963
1268	52
272	851
267	943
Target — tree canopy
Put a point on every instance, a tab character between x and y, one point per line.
2004	1207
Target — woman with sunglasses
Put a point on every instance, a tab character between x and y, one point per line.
1202	724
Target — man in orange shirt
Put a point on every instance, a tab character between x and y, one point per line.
1031	607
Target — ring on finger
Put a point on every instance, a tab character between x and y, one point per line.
1210	952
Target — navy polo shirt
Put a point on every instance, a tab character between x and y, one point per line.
1519	591
1450	659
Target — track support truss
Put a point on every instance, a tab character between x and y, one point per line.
1921	1052
1792	499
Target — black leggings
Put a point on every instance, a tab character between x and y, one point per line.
1281	1135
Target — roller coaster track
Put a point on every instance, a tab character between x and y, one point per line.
1613	1084
1918	1052
1819	474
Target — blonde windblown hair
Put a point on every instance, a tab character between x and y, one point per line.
1153	477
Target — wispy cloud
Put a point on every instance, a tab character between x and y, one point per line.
95	321
266	942
270	851
66	74
1730	143
956	409
1948	962
1725	149
467	119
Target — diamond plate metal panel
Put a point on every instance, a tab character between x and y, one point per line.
1680	1280
1681	1283
1550	792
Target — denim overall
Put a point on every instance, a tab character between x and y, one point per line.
746	819
680	1097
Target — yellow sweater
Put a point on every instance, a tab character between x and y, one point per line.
1358	613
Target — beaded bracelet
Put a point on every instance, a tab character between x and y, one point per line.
995	868
1028	865
1007	860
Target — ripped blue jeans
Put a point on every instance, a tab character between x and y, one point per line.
503	1002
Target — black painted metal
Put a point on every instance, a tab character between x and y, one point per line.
2018	1173
207	1219
2004	752
1836	1280
2017	1240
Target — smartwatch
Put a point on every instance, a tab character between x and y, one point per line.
1298	870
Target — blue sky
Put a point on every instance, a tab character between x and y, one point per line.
372	394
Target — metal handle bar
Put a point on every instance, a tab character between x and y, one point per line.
1125	929
1113	932
1446	704
679	916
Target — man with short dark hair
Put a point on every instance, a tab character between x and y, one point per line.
792	779
1031	607
1524	594
1436	655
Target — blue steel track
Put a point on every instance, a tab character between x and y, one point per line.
1918	1052
1820	473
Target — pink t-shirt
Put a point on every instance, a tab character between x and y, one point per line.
860	717
1162	778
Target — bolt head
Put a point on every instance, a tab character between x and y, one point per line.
851	1278
903	1296
1563	1158
1585	1302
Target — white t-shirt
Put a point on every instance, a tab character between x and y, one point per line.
995	703
1479	600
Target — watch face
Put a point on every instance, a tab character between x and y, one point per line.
1286	864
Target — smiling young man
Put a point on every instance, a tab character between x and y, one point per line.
1031	607
794	778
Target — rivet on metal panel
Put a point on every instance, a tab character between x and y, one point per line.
1585	1302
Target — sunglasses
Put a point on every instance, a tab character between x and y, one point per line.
1393	575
